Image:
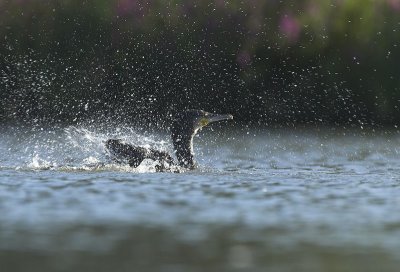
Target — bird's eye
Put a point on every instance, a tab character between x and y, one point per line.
204	122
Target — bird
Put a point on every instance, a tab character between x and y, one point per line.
184	127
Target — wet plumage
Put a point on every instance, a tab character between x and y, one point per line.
184	126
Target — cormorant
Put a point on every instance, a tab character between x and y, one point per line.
184	126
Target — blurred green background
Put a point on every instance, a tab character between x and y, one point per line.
267	62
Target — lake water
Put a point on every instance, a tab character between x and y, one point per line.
262	200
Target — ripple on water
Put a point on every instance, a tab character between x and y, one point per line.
318	201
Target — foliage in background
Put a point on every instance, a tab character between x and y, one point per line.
283	62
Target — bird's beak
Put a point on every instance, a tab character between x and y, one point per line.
213	117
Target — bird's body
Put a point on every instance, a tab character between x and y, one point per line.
183	129
134	155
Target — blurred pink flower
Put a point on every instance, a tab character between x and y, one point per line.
394	4
22	2
290	27
243	58
125	7
220	3
314	9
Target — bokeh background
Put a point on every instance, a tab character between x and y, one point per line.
318	62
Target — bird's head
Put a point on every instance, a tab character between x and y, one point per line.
190	121
185	126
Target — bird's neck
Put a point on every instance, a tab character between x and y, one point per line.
184	151
183	145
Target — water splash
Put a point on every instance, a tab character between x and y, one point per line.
71	149
40	164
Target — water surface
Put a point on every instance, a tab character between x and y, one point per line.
276	200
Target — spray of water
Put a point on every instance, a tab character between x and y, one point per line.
70	149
